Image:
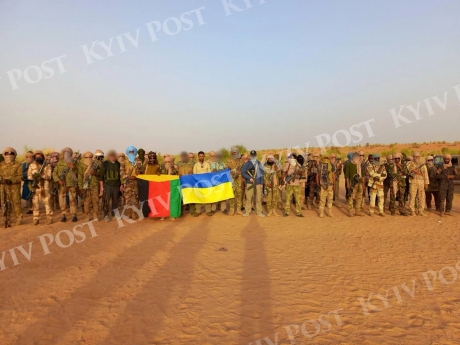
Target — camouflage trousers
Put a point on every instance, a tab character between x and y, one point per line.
386	189
290	191
357	195
401	197
13	196
326	197
375	192
44	196
91	198
336	190
272	198
311	195
302	191
446	195
417	191
63	190
131	197
238	192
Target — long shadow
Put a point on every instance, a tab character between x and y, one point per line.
151	309
60	318
256	298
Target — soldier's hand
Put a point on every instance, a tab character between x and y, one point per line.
61	183
450	176
121	188
438	171
426	187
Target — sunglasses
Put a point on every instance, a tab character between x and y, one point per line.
361	155
397	159
429	160
9	153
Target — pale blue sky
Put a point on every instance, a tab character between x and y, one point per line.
272	76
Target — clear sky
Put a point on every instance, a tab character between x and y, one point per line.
271	76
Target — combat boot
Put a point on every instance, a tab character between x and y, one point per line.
74	218
421	213
275	214
382	214
412	214
321	212
441	213
269	213
329	212
63	219
95	216
350	213
308	205
49	221
87	218
35	222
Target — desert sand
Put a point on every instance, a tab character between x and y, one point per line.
235	280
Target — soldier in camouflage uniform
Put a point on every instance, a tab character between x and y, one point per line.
217	165
129	171
419	181
185	166
10	179
168	168
446	174
325	179
353	173
42	191
68	184
26	195
53	200
292	171
271	182
338	171
387	183
433	188
235	164
88	184
312	181
377	174
142	159
398	173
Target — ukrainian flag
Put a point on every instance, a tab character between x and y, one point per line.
207	188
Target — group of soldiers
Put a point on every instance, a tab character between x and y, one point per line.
100	183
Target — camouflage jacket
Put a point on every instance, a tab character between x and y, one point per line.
93	178
11	171
172	170
442	175
377	174
70	179
185	168
235	166
398	174
272	175
45	177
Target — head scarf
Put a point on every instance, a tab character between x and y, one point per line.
430	164
234	152
54	158
152	157
131	156
8	158
416	156
29	157
450	163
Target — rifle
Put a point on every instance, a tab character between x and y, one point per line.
87	180
36	178
353	183
412	173
5	207
401	170
324	179
126	179
379	172
64	172
288	178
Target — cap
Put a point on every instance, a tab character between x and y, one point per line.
253	153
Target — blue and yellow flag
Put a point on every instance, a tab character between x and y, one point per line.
207	188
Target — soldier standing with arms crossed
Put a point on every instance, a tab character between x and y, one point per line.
419	181
235	164
377	174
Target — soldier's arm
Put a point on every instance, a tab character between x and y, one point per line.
17	177
30	173
56	173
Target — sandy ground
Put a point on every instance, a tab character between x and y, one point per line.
167	282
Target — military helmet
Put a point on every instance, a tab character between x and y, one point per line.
98	153
10	150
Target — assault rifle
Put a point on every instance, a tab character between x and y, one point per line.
379	172
324	179
87	180
412	173
353	183
63	174
36	178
